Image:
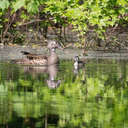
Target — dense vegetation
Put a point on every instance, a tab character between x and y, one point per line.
85	16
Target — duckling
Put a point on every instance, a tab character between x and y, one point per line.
78	63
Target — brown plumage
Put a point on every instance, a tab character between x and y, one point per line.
31	56
35	59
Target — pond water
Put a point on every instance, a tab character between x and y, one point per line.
95	96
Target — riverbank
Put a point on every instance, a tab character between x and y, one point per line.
14	52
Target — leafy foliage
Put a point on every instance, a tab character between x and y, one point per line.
83	15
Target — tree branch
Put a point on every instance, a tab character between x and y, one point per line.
33	21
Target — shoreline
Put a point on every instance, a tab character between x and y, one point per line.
14	52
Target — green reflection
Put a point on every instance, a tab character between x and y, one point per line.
94	96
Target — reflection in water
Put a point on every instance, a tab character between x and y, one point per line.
100	102
50	70
35	69
53	83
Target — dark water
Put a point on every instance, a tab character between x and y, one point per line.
95	96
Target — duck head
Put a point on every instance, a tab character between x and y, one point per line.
53	83
52	45
76	58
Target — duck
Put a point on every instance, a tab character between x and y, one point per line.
37	59
78	63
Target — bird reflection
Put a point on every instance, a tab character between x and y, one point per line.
51	70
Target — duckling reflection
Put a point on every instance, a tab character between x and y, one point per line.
51	70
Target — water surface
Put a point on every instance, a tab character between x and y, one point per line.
95	96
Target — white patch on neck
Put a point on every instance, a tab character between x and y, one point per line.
76	65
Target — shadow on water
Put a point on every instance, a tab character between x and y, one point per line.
62	96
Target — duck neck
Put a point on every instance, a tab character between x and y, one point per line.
52	51
76	65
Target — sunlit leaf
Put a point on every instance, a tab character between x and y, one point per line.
32	7
4	4
18	4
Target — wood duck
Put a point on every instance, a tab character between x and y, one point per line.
34	59
78	63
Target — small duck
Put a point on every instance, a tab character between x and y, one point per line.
77	63
34	59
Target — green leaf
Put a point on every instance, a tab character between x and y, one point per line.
18	4
4	4
1	26
122	2
32	7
